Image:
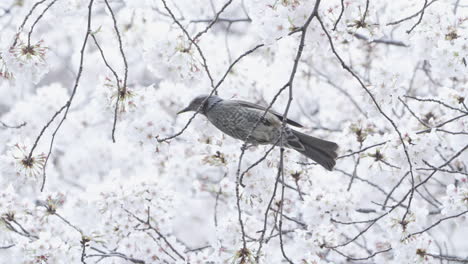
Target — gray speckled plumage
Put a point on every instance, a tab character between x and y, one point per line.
237	118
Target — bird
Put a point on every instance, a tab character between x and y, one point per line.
237	118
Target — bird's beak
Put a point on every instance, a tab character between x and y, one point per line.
183	111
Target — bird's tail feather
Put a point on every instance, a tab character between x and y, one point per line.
321	151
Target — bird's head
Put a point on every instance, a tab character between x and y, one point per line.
198	102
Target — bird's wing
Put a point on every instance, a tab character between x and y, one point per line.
259	107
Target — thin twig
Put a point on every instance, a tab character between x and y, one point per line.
436	223
37	20
151	227
341	14
14	127
448	258
438	102
257	162
412	16
362	258
110	254
25	20
379	41
124	86
215	19
66	106
420	17
343	64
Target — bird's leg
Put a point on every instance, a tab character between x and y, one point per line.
246	146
